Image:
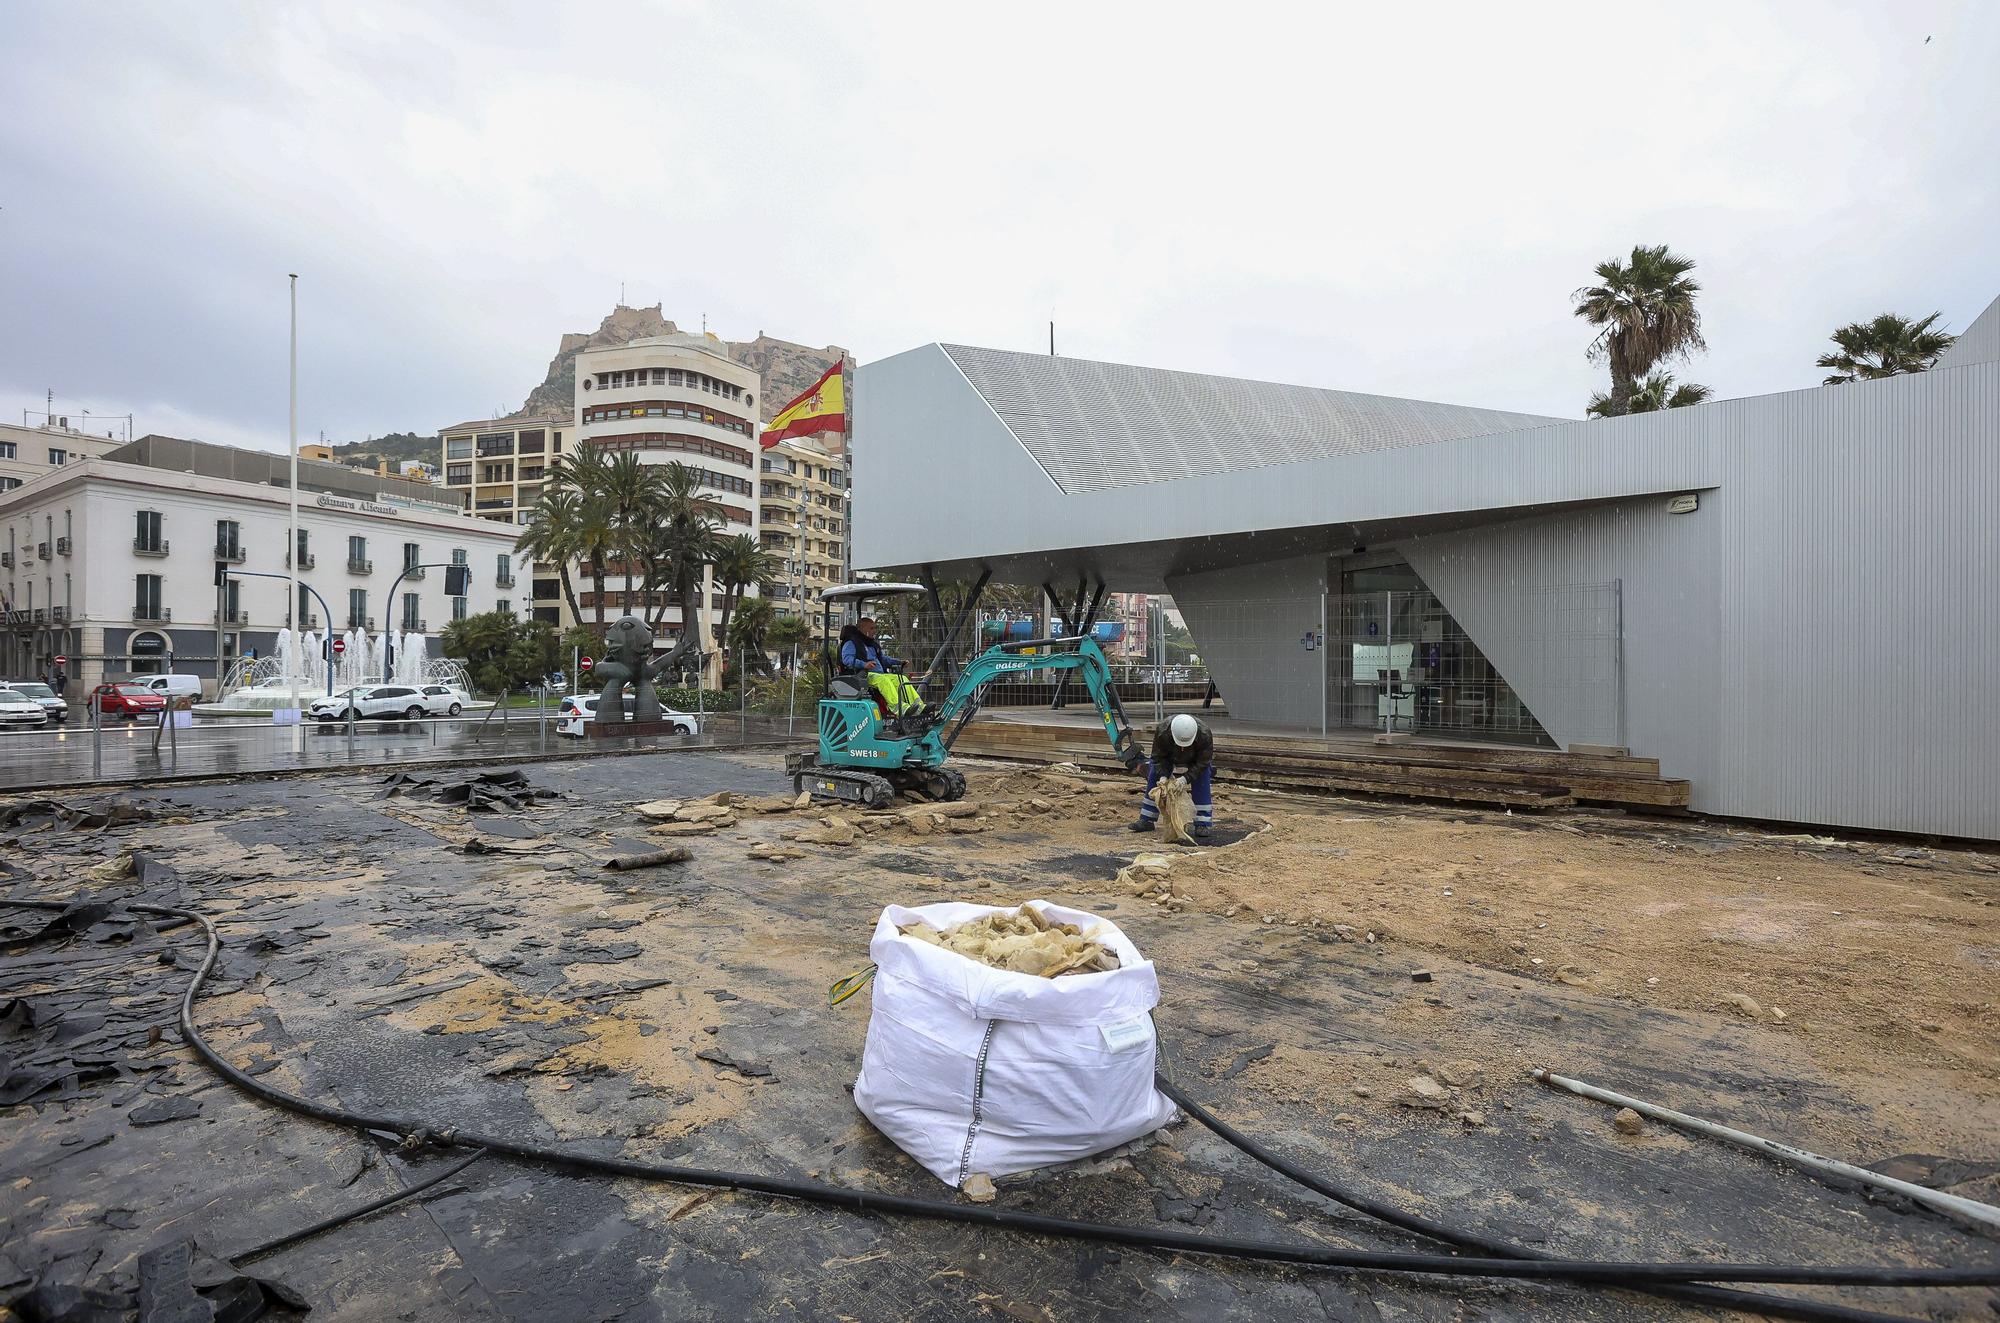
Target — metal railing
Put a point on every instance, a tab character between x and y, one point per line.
143	547
306	562
360	566
229	551
152	613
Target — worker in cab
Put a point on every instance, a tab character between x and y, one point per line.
1184	742
861	655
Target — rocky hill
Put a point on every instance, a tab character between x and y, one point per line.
786	368
395	446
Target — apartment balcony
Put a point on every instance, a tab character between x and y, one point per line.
62	546
458	480
6	560
232	619
413	571
493	505
43	551
360	567
494	449
141	547
306	562
58	614
361	622
311	622
155	614
409	623
232	553
503	581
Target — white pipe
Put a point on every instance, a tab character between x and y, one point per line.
1967	1210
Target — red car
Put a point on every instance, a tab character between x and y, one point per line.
126	700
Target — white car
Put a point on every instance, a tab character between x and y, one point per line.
52	702
387	702
441	700
579	708
18	711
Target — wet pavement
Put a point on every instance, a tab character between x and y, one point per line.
405	955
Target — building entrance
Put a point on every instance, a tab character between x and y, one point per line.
1398	662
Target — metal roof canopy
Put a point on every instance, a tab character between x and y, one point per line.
850	592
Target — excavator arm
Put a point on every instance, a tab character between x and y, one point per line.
1054	654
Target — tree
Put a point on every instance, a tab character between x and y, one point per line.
789	632
681	542
1644	309
749	630
1652	393
550	535
594	532
739	562
1888	346
482	642
630	495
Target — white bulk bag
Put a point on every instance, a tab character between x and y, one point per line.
974	1069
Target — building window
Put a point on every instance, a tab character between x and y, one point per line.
357	555
232	605
412	553
9	484
410	620
357	608
228	539
505	608
146	597
58	456
7	450
458	447
503	571
148	536
458	608
458	474
458	555
659	376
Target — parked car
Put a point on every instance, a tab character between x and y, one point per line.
441	700
52	702
575	709
388	702
18	711
170	686
126	700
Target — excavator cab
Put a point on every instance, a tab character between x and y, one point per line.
864	758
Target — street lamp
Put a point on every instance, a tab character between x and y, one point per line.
457	583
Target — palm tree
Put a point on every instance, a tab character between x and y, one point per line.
550	535
788	632
1885	347
740	562
749	632
629	488
681	541
585	475
1652	393
1645	314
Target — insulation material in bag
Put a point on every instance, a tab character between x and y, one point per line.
972	1069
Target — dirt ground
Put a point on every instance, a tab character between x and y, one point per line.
399	953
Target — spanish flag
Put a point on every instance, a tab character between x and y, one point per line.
823	408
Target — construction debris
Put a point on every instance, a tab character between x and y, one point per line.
487	792
1176	805
680	854
1628	1122
1023	941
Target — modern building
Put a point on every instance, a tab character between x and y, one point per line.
802	510
110	560
26	453
673	399
500	464
1787	600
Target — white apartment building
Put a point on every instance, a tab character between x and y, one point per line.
501	463
673	399
802	512
110	561
26	453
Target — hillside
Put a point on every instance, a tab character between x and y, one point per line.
395	446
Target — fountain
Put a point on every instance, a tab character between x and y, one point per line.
259	686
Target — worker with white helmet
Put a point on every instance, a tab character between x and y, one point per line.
1184	741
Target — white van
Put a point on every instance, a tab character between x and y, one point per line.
169	686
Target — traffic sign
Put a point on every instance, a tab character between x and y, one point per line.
62	661
584	665
339	646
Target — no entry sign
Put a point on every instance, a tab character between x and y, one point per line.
339	646
584	665
62	661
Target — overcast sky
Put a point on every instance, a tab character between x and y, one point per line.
1383	199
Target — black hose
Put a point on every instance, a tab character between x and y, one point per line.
341	1219
1721	1297
862	1201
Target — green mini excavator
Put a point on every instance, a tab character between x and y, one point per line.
865	756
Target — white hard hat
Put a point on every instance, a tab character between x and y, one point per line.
1184	728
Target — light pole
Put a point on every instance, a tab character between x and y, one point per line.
292	561
457	583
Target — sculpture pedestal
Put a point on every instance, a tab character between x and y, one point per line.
598	730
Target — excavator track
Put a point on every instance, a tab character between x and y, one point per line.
844	785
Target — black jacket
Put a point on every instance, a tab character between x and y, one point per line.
1194	757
